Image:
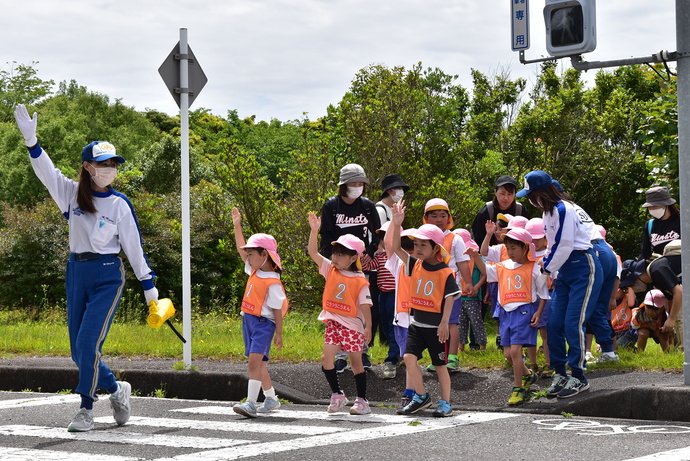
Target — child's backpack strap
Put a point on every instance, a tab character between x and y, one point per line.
385	211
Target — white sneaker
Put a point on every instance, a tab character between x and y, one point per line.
606	357
269	405
120	403
588	356
389	370
82	422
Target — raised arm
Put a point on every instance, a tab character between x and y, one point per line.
490	227
239	238
398	216
313	247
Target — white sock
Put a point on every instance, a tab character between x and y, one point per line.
253	387
270	393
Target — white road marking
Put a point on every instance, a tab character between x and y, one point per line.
29	454
133	438
226	426
259	449
671	455
39	401
459	418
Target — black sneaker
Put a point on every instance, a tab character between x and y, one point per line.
341	365
366	362
572	387
419	402
557	384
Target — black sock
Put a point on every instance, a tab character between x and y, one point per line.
361	383
332	378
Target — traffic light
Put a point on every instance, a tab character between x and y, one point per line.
570	27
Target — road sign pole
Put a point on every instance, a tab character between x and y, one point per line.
186	246
683	49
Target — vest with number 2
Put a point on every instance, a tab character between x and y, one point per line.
427	288
341	293
514	285
255	294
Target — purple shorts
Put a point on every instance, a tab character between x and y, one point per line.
454	318
400	338
258	335
514	326
545	314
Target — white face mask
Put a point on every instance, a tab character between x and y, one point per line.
397	195
104	176
658	213
354	192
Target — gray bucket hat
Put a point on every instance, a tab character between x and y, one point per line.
658	196
352	173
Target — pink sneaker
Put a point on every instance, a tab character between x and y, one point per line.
360	407
338	402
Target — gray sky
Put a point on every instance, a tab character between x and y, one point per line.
281	58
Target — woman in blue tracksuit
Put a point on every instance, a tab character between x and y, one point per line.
569	230
101	223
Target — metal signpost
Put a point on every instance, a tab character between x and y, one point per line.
184	78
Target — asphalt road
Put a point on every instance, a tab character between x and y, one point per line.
34	427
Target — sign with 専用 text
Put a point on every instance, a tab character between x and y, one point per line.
519	13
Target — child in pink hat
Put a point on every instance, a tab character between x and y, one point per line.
437	212
432	292
471	309
522	294
264	299
648	320
346	312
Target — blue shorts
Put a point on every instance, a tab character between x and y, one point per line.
400	337
258	335
454	318
514	326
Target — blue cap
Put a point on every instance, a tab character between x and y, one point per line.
557	185
99	151
535	180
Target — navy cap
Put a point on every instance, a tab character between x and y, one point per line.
535	180
99	151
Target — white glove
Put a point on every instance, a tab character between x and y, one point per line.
151	295
26	125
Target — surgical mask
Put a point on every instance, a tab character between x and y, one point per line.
104	176
397	195
658	213
355	192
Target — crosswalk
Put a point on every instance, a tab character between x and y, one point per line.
204	432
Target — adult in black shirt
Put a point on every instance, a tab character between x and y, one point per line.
503	202
664	225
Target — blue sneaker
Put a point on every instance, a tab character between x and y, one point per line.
419	402
443	409
247	409
269	405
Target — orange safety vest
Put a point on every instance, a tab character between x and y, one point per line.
514	285
402	292
255	294
341	293
504	253
448	241
622	314
427	288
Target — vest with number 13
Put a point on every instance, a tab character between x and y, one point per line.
514	285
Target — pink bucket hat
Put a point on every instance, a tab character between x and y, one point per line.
517	222
433	233
408	232
266	242
601	230
385	226
521	235
655	298
439	204
467	238
535	227
353	243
